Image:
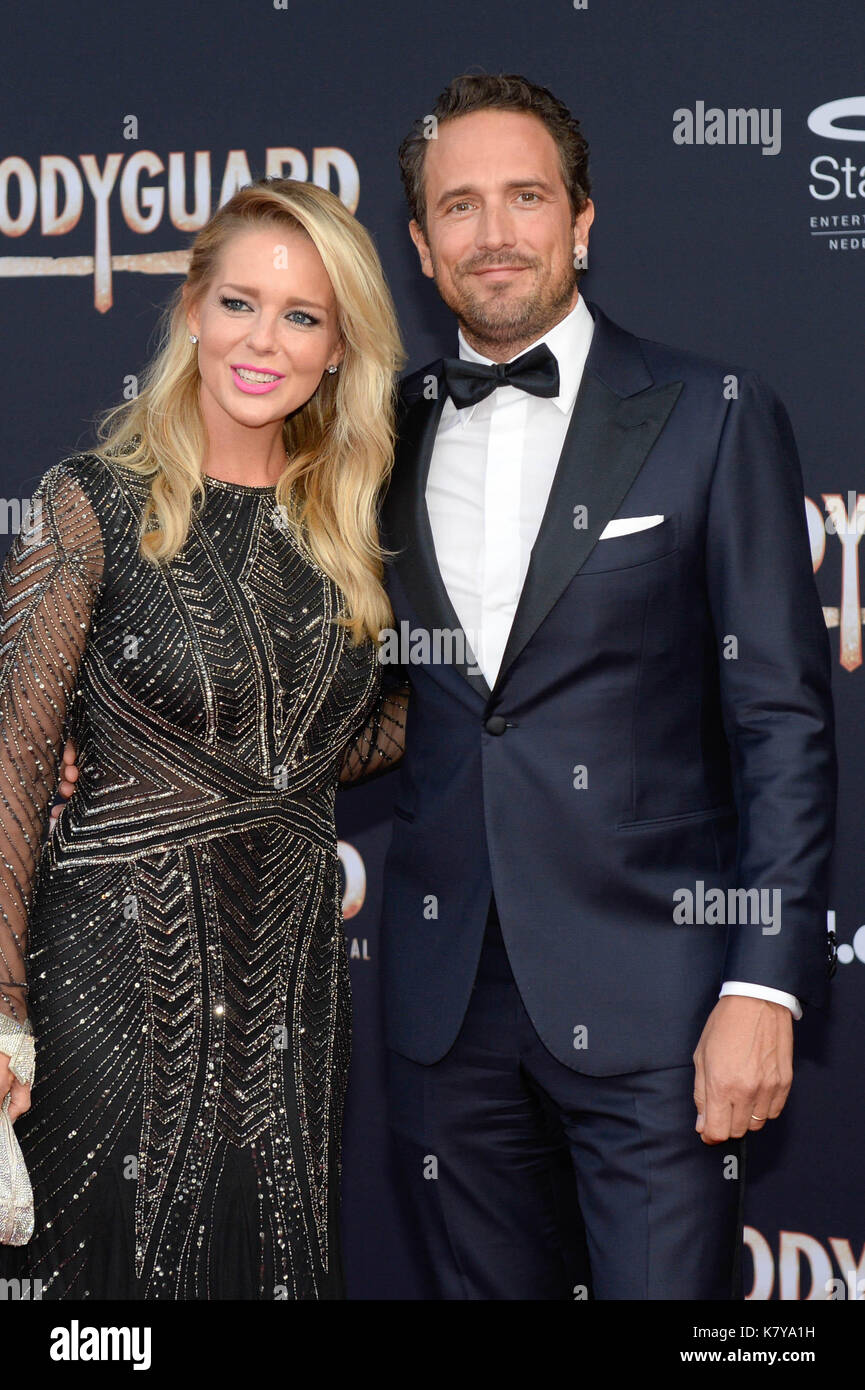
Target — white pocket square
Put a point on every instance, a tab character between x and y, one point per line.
624	525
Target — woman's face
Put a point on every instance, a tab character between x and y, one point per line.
267	328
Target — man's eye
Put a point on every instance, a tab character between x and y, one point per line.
456	207
529	194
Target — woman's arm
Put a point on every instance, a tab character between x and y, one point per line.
48	586
380	744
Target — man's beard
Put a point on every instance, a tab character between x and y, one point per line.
499	322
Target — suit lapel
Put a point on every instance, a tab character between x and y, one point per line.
616	419
406	518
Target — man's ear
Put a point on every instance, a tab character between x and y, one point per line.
584	222
423	250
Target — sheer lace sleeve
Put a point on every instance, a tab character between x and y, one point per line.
380	744
48	585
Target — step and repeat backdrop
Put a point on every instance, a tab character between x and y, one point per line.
728	165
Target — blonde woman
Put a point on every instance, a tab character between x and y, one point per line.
197	604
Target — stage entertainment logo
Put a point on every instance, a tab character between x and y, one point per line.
838	178
55	197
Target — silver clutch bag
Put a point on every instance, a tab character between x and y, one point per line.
16	1194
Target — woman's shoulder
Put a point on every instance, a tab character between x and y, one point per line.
107	469
105	481
88	502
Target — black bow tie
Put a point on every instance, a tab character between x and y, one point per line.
537	372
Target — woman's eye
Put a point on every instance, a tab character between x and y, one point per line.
295	315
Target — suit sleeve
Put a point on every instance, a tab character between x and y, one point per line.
775	677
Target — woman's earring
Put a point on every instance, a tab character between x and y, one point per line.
332	368
193	337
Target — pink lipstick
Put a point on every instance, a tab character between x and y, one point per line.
255	381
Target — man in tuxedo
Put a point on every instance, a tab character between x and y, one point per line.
604	900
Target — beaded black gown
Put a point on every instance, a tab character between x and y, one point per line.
177	945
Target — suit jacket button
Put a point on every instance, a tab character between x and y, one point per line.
496	724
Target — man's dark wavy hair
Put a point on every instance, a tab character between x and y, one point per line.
497	92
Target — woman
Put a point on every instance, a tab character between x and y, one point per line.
198	605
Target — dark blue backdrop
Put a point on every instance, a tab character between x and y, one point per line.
751	256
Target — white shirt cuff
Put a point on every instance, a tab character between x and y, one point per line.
775	996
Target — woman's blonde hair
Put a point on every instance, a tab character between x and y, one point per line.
339	444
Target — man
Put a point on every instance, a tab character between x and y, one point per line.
639	715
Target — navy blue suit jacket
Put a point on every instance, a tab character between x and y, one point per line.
685	667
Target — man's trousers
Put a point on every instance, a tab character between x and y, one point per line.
527	1180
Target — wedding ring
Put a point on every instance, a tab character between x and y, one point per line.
759	1117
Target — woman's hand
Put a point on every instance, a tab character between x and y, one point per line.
66	784
20	1100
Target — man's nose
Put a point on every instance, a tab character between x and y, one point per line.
495	229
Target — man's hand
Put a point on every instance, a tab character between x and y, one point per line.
743	1067
68	778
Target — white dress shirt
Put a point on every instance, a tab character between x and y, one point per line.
489	481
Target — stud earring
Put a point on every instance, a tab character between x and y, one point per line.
193	337
332	368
